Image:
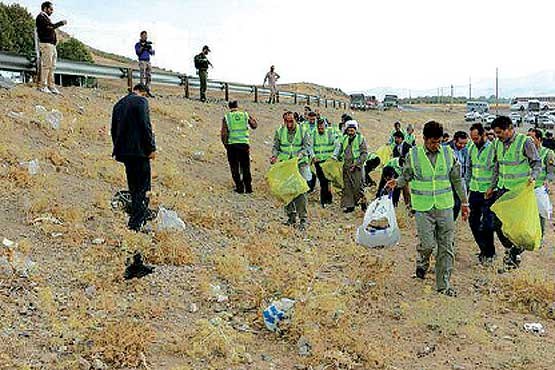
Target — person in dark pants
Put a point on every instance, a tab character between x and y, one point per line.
134	146
517	162
389	172
371	164
201	64
235	137
323	145
481	156
400	147
458	144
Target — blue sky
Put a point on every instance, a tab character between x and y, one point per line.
351	44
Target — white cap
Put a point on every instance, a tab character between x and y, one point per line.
352	123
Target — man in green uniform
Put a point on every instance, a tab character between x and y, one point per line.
481	164
201	64
235	137
391	170
323	144
396	128
409	137
517	162
289	142
372	162
433	172
353	151
548	162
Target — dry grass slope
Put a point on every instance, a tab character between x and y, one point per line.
202	309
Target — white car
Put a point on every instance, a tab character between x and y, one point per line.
516	118
545	121
530	118
488	118
472	116
519	106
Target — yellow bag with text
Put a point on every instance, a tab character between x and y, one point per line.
518	212
384	152
285	181
333	170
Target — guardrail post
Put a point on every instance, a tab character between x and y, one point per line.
130	79
295	98
186	86
308	100
226	91
255	94
335	103
277	96
318	101
326	103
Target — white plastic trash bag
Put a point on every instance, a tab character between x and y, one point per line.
277	312
379	228
544	203
169	220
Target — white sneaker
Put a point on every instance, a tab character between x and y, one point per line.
45	90
54	91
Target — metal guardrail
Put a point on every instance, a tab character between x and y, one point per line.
18	63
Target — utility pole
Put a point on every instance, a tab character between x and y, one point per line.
441	99
437	100
496	90
470	88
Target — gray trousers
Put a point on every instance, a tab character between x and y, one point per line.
297	207
352	192
145	72
436	229
203	77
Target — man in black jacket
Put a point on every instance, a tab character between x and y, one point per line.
46	33
401	147
134	146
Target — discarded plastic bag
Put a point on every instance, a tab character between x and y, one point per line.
53	118
518	212
32	166
333	171
285	181
384	152
379	228
277	312
169	220
545	207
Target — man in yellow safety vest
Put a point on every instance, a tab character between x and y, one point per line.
235	137
433	172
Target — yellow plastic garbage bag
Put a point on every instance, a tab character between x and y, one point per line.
333	170
518	211
285	181
384	152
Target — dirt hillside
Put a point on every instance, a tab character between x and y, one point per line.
202	308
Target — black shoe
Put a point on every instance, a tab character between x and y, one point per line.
302	225
449	292
137	269
151	214
421	273
239	190
248	190
290	222
349	210
150	95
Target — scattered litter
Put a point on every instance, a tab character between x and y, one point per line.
52	219
277	312
6	83
121	201
534	327
53	118
15	115
193	308
304	347
99	365
426	350
198	155
98	241
90	291
379	228
32	166
458	367
56	235
218	293
16	263
8	243
168	220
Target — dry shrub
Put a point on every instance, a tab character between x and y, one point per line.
529	292
54	156
107	170
20	176
169	248
216	341
171	176
124	342
232	265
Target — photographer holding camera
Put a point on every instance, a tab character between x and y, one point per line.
144	50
